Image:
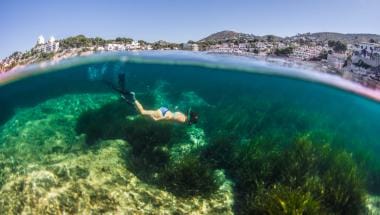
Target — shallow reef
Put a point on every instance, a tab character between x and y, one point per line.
52	169
93	154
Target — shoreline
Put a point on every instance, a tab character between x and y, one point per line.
282	61
314	66
295	69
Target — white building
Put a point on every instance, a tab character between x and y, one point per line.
263	47
148	47
244	46
191	46
40	40
115	47
133	46
336	60
368	53
281	45
122	47
50	46
307	52
366	50
367	46
195	47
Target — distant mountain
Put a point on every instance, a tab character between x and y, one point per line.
348	38
227	35
321	36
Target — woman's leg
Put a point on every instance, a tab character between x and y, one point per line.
141	109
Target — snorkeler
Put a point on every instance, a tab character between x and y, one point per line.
164	113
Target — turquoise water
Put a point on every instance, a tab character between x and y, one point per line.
269	140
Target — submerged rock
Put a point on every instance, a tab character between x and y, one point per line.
373	205
98	182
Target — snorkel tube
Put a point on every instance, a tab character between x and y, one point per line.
192	117
188	121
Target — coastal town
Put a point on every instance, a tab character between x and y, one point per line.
354	58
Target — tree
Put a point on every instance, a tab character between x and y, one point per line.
124	40
302	42
270	38
76	42
156	46
331	43
98	41
337	46
142	42
284	51
16	55
45	56
323	55
372	40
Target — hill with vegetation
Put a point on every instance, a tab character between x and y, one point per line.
347	38
225	36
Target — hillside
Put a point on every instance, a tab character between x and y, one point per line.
227	35
348	38
322	36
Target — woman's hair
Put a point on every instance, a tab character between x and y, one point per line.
192	117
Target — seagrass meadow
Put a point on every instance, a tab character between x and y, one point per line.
270	140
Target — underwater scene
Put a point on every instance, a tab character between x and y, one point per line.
266	140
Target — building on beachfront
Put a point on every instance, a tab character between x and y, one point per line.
262	48
134	45
368	53
115	47
366	50
244	47
280	45
368	46
147	47
46	47
373	61
307	52
336	60
191	46
222	48
195	47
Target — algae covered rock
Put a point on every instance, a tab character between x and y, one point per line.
108	122
279	199
103	185
373	205
189	177
300	178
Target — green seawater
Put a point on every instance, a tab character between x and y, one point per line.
270	140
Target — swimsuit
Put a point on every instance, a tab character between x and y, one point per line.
164	110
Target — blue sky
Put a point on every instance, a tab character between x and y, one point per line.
22	21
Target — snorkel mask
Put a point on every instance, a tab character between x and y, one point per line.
192	117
